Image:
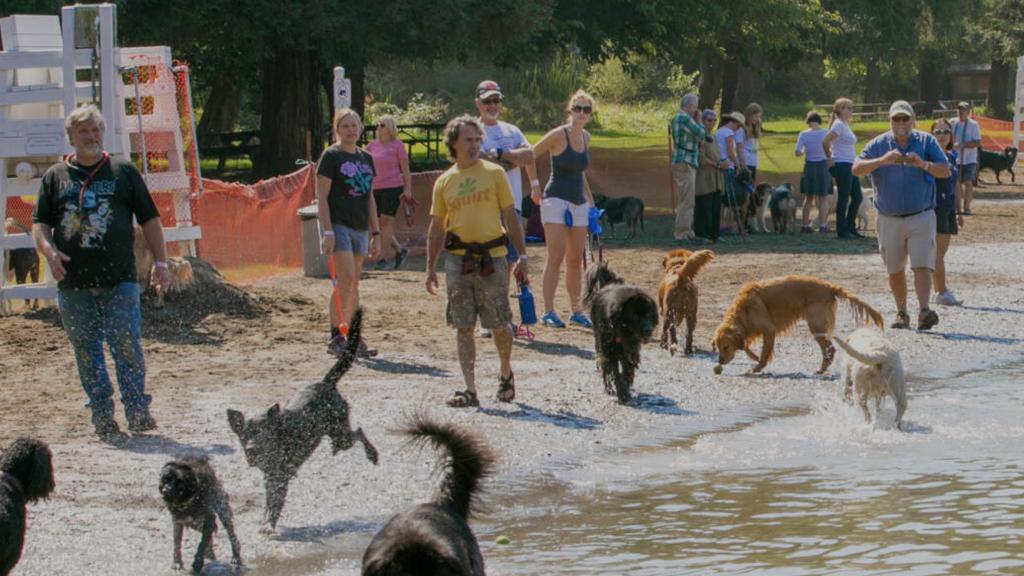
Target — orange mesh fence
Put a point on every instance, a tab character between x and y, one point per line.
995	134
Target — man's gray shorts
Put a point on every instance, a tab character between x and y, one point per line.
471	296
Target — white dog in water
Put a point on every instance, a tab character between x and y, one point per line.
873	369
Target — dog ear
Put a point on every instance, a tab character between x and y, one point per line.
274	415
237	421
714	343
40	482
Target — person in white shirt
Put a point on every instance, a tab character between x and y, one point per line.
839	149
966	141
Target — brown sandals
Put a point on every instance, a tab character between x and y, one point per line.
463	399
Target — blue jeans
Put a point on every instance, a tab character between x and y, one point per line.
849	197
93	315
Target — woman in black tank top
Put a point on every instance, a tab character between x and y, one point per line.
566	199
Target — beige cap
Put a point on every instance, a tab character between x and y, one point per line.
901	107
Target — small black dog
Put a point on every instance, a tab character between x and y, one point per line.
783	209
624	318
616	210
26	475
434	539
280	441
998	161
195	498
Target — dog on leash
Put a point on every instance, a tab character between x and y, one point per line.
677	294
873	369
624	318
281	440
628	209
26	475
180	269
195	498
998	161
738	200
434	538
757	207
770	308
783	209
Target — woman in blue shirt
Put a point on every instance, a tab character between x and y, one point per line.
948	213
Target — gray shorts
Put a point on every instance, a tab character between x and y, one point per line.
349	240
471	296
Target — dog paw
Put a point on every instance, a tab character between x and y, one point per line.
177	566
267	529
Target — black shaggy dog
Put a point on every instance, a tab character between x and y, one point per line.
195	498
624	318
628	209
281	440
998	161
26	475
434	539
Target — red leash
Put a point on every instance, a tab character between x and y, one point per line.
409	205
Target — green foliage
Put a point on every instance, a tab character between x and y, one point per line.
639	77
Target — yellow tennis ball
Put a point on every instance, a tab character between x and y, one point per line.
502	540
718	368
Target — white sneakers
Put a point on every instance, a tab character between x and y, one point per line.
946	299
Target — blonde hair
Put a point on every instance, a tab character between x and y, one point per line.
753	130
389	123
581	95
839	104
83	114
338	117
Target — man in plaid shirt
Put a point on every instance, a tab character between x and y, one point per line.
686	136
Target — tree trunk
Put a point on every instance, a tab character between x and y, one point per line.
357	72
751	85
710	79
872	83
996	101
928	87
287	111
730	82
220	113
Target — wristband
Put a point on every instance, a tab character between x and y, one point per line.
523	257
160	264
329	233
926	165
534	183
376	233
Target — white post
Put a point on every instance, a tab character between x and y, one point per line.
1018	106
342	89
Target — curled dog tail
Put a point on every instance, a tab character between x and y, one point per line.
349	355
861	309
469	461
693	264
857	354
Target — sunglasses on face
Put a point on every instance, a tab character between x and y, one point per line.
942	131
381	125
584	109
900	118
491	101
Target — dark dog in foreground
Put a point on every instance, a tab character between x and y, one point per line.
281	440
628	209
624	318
435	539
998	161
783	209
26	475
195	498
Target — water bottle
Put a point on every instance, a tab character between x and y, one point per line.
527	311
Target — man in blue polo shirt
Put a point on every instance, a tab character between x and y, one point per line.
904	164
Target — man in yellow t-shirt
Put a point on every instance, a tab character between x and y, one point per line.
467	206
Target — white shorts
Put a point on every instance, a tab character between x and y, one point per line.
552	211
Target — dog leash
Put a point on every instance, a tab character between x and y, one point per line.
12	481
85	183
409	205
342	326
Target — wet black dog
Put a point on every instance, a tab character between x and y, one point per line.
617	210
434	539
280	441
26	475
624	318
998	161
195	498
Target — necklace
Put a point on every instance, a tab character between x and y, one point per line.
81	191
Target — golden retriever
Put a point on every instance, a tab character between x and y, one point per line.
673	257
770	308
873	369
677	296
180	269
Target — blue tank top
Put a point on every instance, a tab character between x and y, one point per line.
567	174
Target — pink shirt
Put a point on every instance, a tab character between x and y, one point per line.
386	159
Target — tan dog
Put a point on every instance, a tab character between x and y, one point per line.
873	369
677	297
180	269
862	210
673	257
771	308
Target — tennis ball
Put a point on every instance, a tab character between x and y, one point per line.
502	540
718	368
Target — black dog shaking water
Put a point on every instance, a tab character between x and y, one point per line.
281	440
624	318
195	498
434	539
26	475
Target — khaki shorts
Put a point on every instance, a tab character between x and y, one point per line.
913	236
471	296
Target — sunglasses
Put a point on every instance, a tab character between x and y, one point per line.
900	118
381	125
942	131
584	109
491	101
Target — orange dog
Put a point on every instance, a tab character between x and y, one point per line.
677	295
771	308
677	256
